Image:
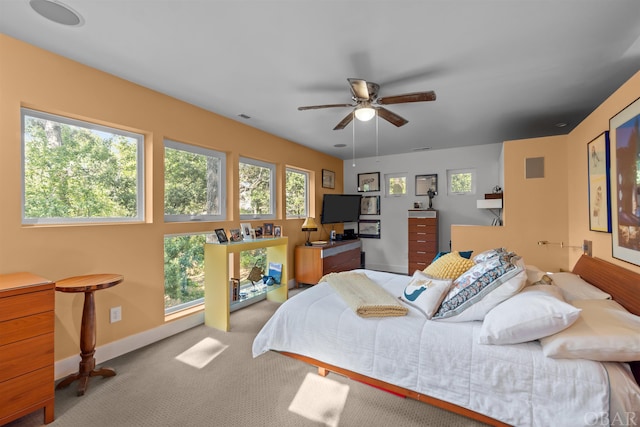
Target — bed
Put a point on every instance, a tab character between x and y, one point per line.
443	364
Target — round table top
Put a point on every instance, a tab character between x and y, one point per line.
88	283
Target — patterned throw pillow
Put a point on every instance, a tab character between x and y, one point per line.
480	289
487	255
425	293
449	266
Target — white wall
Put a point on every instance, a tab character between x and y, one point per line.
390	252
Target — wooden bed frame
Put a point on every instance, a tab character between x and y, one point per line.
623	285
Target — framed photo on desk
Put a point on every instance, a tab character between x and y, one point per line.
221	235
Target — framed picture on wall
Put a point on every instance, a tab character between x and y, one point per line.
599	201
328	179
370	205
369	228
624	135
368	182
424	183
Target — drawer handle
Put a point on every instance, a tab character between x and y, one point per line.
421	225
421	241
421	252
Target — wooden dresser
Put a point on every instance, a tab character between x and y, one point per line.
313	262
423	238
26	346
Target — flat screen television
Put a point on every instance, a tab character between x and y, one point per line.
338	208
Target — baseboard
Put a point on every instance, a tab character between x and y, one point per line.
114	349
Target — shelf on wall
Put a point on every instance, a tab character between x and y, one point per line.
490	204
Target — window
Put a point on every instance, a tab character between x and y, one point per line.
79	172
396	184
257	189
184	271
461	181
297	193
194	183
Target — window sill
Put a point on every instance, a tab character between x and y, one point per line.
183	313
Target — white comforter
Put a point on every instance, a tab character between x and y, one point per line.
515	384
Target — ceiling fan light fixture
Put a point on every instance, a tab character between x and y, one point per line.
364	114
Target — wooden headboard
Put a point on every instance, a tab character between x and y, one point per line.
623	286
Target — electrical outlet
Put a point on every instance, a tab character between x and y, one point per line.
115	314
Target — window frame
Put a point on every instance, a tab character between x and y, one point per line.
452	172
272	188
306	192
193	303
387	184
222	180
140	170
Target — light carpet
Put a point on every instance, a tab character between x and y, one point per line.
205	377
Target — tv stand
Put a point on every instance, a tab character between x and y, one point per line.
313	262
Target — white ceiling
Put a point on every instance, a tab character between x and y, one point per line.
501	69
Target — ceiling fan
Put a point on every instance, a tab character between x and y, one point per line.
366	103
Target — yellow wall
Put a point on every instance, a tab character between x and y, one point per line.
591	127
31	77
554	208
534	209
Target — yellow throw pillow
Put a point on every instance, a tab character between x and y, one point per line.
449	266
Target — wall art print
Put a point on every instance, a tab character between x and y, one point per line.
599	190
624	133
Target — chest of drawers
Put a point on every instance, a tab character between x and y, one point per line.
26	346
423	238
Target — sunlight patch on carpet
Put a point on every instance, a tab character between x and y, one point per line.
202	353
320	399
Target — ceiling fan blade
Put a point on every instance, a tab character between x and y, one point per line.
348	118
391	117
409	97
359	89
373	89
316	107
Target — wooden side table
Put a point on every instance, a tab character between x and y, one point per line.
87	284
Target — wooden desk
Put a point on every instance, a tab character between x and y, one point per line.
87	284
26	346
313	262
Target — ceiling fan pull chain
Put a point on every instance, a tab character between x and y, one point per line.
377	158
353	164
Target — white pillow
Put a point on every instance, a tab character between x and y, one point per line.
604	332
575	288
425	293
533	274
536	312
